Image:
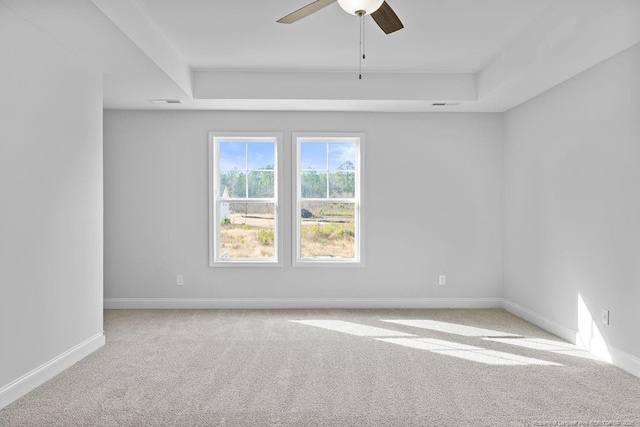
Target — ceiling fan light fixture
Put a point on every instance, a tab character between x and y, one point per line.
355	6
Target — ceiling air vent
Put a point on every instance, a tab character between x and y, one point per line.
445	104
165	101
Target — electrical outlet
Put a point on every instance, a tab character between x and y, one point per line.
605	317
179	280
442	280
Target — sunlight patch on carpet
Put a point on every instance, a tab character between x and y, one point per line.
556	347
451	328
467	352
352	328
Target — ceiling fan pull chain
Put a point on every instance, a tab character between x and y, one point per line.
364	38
361	53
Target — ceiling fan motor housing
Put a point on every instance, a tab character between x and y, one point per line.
357	7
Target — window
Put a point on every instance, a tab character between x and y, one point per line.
328	199
244	187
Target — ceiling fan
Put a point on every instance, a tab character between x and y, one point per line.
379	10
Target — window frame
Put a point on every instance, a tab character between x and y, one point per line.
214	197
296	139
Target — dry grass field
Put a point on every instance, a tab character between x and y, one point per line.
333	239
248	236
252	237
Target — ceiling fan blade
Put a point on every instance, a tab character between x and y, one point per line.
305	11
387	19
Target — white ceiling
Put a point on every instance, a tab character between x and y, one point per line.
481	55
439	35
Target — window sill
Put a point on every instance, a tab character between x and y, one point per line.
236	264
327	262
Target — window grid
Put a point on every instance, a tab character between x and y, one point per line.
356	200
217	199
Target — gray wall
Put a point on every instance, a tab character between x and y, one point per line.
433	206
50	199
572	200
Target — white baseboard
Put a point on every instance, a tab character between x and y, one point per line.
294	303
23	385
617	357
539	320
625	361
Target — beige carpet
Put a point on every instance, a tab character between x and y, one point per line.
330	368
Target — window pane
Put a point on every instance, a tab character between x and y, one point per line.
261	155
247	231
232	155
261	184
234	182
342	184
313	155
314	185
342	155
327	230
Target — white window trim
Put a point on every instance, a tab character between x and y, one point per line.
214	231
296	138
